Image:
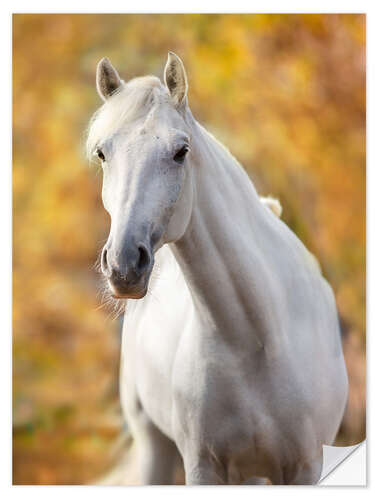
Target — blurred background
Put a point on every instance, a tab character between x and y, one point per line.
285	93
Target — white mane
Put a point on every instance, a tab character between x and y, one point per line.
130	102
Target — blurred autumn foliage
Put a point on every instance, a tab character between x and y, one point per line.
286	93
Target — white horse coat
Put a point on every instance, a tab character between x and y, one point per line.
233	359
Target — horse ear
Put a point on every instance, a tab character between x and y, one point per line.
107	79
175	79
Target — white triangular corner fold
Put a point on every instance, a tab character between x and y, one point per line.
355	467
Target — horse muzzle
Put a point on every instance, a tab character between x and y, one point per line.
127	271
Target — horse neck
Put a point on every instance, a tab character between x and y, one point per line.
215	253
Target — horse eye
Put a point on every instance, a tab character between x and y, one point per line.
179	157
100	155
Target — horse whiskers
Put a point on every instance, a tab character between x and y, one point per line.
119	307
97	264
115	307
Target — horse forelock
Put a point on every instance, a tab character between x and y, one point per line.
132	101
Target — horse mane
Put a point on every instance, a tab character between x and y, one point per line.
129	103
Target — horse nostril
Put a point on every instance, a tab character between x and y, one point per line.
143	260
104	261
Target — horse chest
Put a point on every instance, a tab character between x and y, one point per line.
214	392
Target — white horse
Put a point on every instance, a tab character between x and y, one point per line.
234	360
